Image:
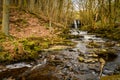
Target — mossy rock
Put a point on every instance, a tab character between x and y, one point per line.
113	77
68	36
81	59
107	54
65	42
110	44
106	51
94	45
57	47
44	72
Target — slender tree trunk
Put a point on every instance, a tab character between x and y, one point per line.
31	8
5	20
110	13
0	9
116	5
20	3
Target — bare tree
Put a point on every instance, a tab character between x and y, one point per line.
5	20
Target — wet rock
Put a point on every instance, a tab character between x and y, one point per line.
18	65
87	37
93	55
117	70
83	67
108	72
107	53
65	71
117	48
102	64
110	44
82	54
118	44
81	59
14	73
102	61
88	76
44	72
92	60
59	57
67	65
10	78
2	68
52	57
72	50
95	67
55	62
93	44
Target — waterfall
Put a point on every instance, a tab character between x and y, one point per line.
75	24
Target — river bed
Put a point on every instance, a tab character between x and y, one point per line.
90	59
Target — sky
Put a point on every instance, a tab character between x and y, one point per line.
78	4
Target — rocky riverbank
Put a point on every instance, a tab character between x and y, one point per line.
91	59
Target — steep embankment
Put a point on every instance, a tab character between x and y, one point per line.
106	31
28	36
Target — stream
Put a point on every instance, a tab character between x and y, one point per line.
91	58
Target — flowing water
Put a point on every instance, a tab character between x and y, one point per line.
79	63
75	24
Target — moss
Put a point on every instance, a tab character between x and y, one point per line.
19	50
107	53
5	56
2	37
85	27
30	46
1	48
27	48
68	43
93	45
105	31
113	77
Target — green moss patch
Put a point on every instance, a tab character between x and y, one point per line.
29	48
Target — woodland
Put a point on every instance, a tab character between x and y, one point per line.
30	27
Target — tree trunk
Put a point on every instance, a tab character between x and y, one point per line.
5	20
0	10
31	8
20	3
